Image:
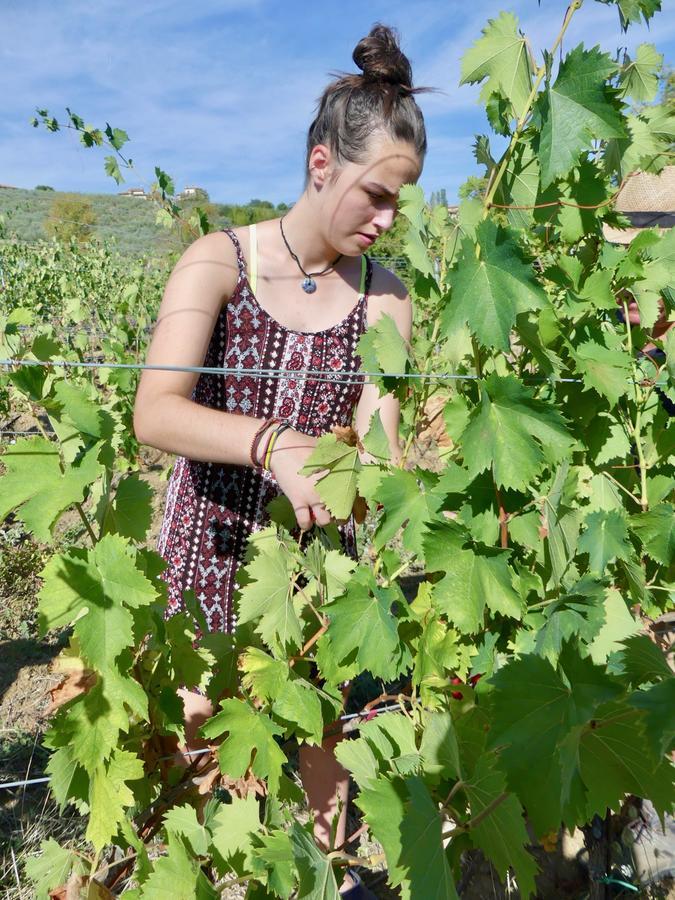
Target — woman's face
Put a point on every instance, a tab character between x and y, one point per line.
360	202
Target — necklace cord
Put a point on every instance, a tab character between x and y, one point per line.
306	274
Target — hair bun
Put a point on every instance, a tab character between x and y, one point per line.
380	57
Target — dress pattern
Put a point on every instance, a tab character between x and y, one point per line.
212	508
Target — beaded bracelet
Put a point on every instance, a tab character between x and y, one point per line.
274	437
257	437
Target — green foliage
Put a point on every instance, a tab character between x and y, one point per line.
548	523
70	217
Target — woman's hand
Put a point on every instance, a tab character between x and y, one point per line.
289	455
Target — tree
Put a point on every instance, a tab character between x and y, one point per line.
43	187
69	217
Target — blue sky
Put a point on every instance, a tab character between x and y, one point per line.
220	93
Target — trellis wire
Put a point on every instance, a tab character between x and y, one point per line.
286	374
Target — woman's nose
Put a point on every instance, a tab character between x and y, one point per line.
384	219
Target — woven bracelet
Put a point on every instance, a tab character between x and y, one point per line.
257	437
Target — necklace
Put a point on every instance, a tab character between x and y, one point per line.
308	285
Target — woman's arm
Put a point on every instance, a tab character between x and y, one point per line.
391	297
166	417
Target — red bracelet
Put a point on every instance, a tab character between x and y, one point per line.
257	437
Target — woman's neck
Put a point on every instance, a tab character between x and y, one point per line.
300	226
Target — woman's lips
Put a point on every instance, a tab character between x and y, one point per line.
367	239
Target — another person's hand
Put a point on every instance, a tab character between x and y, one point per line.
289	455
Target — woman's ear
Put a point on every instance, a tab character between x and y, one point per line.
320	160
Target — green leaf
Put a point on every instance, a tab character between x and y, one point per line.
112	169
110	797
268	596
615	760
656	531
376	441
501	56
423	858
490	290
605	539
130	513
513	433
383	807
534	710
298	702
382	349
337	488
605	371
34	487
317	879
576	108
619	624
640	77
439	748
472	582
233	828
95	589
642	661
363	628
251	742
263	675
501	835
174	875
182	821
273	858
658	704
408	505
520	185
51	868
634	10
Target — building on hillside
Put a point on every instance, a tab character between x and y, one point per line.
134	192
192	193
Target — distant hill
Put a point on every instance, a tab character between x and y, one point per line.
130	221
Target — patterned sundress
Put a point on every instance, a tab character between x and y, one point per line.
212	508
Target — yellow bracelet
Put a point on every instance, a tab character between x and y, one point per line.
279	430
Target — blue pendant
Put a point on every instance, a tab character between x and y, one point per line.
309	285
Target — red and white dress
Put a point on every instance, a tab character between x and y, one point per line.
212	508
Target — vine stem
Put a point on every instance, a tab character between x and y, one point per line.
541	71
636	426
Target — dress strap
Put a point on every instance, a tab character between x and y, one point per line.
253	253
240	253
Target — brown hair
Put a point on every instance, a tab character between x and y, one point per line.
353	107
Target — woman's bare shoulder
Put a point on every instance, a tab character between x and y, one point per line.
388	295
210	262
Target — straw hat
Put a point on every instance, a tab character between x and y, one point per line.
648	201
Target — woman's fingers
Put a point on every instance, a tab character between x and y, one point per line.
303	516
321	514
306	515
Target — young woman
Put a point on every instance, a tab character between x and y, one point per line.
293	294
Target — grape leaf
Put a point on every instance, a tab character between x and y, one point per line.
534	710
634	10
176	875
110	796
501	835
501	56
51	868
423	858
130	513
619	624
656	530
268	596
337	488
439	748
34	487
363	628
272	858
263	675
513	433
658	704
382	349
405	504
250	734
614	761
576	108
640	77
489	291
376	441
95	588
605	539
298	702
233	828
317	879
605	371
182	821
642	661
383	807
472	582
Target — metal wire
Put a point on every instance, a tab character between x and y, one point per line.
288	374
